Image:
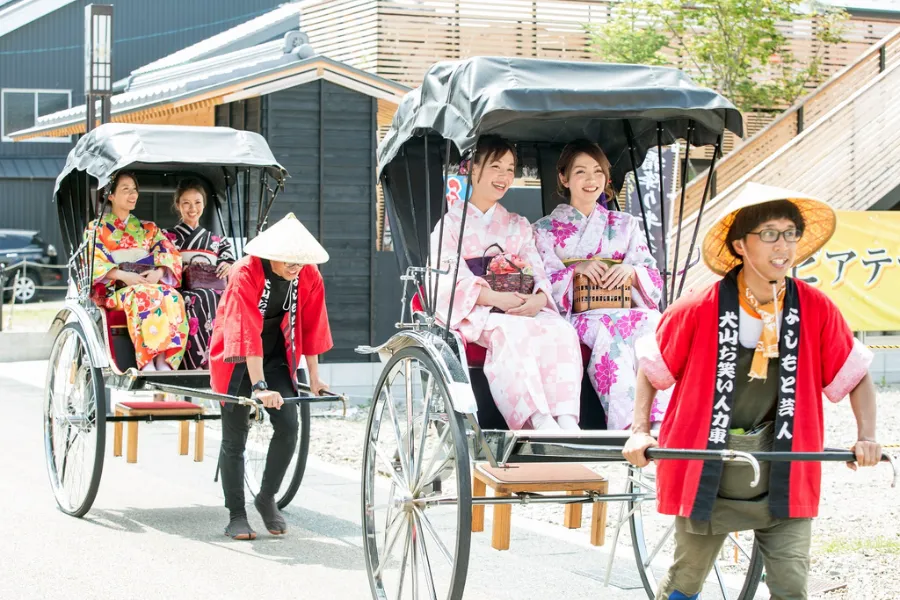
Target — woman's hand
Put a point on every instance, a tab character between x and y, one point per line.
592	269
616	276
223	269
532	304
506	301
154	276
129	278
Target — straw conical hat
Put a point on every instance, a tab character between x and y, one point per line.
819	217
288	241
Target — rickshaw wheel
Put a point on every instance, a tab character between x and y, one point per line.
416	487
74	422
258	439
737	573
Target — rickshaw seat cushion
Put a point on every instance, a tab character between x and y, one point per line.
176	405
476	355
116	318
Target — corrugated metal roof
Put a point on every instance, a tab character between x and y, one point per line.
181	82
273	23
31	168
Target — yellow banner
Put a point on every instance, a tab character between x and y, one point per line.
859	268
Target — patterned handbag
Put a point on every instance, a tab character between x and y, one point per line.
201	276
518	281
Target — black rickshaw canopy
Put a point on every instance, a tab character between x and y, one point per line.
540	105
159	154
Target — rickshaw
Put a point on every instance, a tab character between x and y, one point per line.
430	422
92	354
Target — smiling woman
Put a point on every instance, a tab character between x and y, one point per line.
136	270
583	238
533	364
207	262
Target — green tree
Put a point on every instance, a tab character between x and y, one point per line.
737	47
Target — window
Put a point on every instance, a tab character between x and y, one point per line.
20	109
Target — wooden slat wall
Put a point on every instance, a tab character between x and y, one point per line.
849	160
400	40
293	128
735	165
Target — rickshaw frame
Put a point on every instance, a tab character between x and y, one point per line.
224	160
539	106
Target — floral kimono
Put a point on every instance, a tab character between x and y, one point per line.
155	313
200	304
533	364
566	235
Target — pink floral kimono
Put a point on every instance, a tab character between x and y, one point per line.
533	364
567	234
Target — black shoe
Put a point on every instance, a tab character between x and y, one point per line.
271	516
239	529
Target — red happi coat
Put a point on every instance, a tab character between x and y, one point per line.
237	332
829	360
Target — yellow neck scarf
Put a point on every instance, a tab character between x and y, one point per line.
767	346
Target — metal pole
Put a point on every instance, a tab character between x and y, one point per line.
462	231
662	216
684	169
428	286
712	167
445	178
637	183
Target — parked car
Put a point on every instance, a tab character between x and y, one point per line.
17	245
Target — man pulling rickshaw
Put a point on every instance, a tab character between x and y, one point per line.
750	357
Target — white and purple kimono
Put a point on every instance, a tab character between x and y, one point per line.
567	234
533	364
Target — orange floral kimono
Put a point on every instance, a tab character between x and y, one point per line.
155	313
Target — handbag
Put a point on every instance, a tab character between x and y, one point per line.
587	296
519	281
135	267
201	276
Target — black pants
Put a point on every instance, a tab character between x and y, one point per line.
236	425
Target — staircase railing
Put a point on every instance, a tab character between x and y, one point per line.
794	121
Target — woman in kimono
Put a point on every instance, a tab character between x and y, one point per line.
198	244
533	363
136	270
573	239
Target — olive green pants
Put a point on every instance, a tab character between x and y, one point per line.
784	546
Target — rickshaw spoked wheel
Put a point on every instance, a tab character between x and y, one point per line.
737	572
258	439
74	422
416	487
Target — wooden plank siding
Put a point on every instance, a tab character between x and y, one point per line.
331	190
850	158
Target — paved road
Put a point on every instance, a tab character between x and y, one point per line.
156	531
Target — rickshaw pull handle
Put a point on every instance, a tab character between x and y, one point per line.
723	455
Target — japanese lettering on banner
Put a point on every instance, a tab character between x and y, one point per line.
859	269
648	175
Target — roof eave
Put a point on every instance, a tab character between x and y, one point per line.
281	77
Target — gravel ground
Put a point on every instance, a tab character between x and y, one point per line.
856	539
